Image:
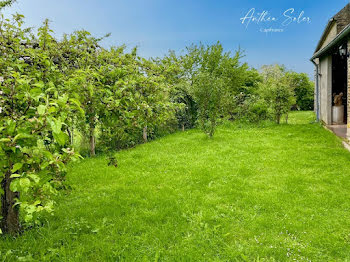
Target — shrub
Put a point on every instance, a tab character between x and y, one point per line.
258	111
249	108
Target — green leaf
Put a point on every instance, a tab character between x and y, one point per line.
21	136
56	125
34	177
44	165
16	167
11	127
41	109
24	184
5	140
28	217
40	84
47	154
61	138
35	93
14	185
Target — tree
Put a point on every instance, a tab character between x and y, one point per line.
208	91
207	84
276	90
6	3
117	117
82	54
186	113
215	77
33	140
282	99
303	90
135	98
152	97
173	69
245	102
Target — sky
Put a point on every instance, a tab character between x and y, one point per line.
157	26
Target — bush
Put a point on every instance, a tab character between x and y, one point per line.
250	108
186	114
258	111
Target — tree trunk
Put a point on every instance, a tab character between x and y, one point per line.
212	128
183	128
70	134
72	138
287	118
10	213
145	134
92	141
278	118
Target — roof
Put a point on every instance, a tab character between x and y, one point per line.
342	22
325	33
345	33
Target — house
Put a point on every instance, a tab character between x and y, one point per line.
332	74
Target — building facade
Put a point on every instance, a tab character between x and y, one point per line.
332	71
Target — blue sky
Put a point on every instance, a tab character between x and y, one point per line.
159	25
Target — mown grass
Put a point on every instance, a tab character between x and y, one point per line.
267	193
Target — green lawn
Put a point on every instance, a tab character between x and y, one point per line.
267	193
